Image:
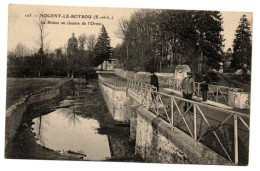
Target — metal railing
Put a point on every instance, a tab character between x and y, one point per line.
224	131
139	86
215	93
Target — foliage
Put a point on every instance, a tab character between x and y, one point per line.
75	58
153	38
213	76
242	45
102	48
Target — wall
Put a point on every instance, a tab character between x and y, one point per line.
116	100
15	113
157	141
134	103
239	99
163	78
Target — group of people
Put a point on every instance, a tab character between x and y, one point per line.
187	87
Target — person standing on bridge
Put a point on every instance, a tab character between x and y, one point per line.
188	87
204	86
154	82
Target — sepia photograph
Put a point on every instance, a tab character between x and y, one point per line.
135	85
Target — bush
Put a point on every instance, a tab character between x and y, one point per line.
92	73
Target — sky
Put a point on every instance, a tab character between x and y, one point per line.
22	16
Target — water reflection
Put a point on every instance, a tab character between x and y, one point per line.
71	134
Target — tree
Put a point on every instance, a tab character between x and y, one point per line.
242	45
58	52
102	50
41	26
72	52
40	61
17	60
156	37
122	34
82	41
91	42
21	50
202	40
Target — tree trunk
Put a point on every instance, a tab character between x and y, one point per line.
39	73
72	73
127	52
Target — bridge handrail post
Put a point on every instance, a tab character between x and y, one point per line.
235	139
195	121
172	111
217	94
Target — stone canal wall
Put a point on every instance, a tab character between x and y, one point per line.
15	113
116	100
157	141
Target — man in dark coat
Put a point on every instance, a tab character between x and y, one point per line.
154	81
204	86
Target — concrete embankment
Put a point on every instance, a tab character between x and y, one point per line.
158	141
116	100
14	114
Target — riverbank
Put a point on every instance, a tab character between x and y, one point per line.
24	144
19	87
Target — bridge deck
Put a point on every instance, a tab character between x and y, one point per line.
113	79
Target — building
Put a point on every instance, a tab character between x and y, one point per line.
108	64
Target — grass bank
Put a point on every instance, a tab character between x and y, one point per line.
19	87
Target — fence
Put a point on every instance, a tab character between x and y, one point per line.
224	131
140	87
215	93
115	81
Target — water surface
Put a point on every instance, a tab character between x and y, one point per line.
68	133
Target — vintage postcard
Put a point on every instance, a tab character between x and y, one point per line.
128	85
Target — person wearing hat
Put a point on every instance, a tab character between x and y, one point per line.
204	86
188	87
154	81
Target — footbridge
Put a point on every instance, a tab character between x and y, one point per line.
211	132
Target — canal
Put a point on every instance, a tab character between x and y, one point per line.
75	127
